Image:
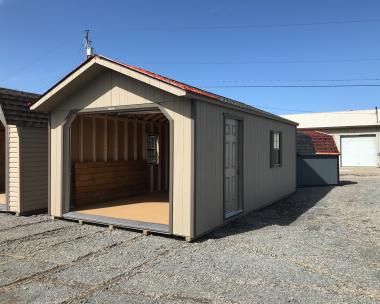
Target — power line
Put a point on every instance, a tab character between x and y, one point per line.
38	59
282	109
282	80
248	26
260	61
314	112
294	86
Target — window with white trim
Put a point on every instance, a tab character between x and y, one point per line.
275	149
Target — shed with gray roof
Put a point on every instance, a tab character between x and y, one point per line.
23	153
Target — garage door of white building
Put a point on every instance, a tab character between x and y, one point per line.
359	150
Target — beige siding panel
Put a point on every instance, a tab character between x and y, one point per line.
56	159
209	167
34	168
180	112
14	168
113	89
262	185
141	77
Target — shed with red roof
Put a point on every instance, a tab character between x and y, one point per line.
135	149
317	159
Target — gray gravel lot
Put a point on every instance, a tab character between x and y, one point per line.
321	245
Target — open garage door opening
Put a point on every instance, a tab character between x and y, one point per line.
120	169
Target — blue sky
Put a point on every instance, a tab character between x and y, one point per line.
207	44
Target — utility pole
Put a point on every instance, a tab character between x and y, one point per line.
88	45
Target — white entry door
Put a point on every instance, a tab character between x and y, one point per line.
359	151
231	167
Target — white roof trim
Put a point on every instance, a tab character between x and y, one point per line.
112	66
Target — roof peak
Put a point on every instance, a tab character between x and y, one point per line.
183	89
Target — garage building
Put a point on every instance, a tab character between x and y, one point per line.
23	154
135	149
356	134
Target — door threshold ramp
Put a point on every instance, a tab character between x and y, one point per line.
115	222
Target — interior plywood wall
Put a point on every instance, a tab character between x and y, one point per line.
112	139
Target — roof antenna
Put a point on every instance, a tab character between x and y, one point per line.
88	45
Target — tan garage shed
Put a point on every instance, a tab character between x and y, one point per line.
135	149
23	154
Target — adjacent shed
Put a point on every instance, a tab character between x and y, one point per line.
317	159
356	134
23	153
135	149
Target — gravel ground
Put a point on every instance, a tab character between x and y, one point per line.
321	245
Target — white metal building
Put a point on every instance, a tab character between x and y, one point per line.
356	133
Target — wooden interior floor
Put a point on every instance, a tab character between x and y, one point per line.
151	208
2	198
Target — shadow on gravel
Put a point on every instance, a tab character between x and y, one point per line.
346	182
283	212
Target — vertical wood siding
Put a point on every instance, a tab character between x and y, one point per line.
34	168
57	119
86	139
180	112
114	89
14	168
2	158
262	185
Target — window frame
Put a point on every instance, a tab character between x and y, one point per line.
275	153
156	149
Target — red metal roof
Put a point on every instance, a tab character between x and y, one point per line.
178	84
173	82
315	143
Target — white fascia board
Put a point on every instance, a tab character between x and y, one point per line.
61	86
112	66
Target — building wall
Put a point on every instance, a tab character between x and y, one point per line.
336	133
317	170
357	118
13	168
262	185
33	168
113	89
2	158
